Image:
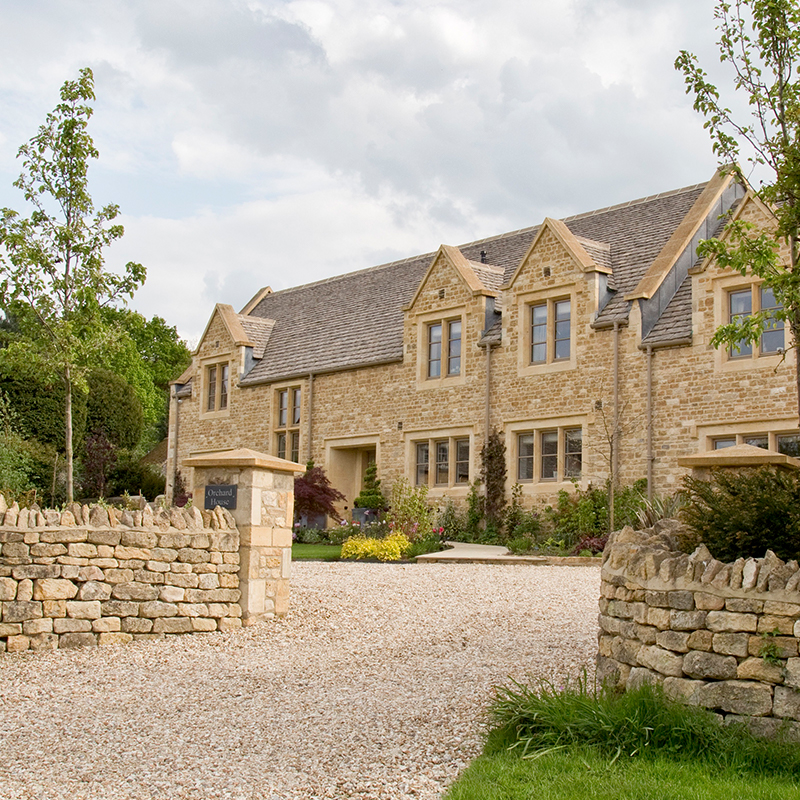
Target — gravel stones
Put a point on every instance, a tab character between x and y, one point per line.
373	688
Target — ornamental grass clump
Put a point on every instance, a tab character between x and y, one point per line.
538	719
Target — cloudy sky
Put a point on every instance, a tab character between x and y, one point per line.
277	142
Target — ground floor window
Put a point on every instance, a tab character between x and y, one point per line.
441	462
786	443
549	455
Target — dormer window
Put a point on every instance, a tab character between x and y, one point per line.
444	352
217	386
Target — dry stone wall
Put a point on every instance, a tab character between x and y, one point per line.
97	575
721	636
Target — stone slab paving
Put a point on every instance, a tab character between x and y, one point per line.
373	688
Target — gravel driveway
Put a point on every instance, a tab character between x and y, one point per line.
373	687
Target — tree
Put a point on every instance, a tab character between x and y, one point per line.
313	493
760	41
52	261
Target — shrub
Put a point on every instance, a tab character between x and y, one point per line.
450	521
133	477
392	548
371	495
746	512
410	513
590	545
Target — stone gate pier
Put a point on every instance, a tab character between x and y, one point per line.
258	490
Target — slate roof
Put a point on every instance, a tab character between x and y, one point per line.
675	323
357	319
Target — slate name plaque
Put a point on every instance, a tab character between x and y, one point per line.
223	496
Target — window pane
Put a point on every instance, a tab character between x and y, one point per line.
422	464
442	463
723	442
454	348
462	461
283	405
434	351
772	338
295	406
295	446
223	391
281	445
525	457
211	403
562	329
789	445
539	334
757	441
549	456
741	306
573	452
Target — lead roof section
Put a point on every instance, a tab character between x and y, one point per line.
356	319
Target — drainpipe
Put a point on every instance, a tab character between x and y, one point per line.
488	430
650	455
310	410
614	430
172	449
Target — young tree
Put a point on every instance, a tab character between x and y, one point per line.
760	41
52	261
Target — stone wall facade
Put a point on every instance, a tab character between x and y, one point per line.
97	575
721	636
350	415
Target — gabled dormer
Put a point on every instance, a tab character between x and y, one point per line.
455	302
562	280
228	348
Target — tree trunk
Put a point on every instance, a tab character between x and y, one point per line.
68	427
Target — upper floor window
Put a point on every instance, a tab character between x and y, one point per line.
551	331
560	454
441	462
217	380
444	348
743	303
287	424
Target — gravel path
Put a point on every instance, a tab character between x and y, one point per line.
372	688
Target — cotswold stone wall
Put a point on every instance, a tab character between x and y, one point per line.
721	636
95	575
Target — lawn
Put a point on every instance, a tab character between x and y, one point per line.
582	773
316	552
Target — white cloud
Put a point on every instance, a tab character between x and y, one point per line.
302	138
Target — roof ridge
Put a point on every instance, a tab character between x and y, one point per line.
649	198
494	238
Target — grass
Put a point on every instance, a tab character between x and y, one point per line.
583	773
316	552
581	742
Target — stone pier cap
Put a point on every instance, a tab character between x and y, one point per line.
244	457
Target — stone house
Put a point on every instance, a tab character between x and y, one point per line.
566	337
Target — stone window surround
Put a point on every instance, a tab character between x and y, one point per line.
708	434
413	438
724	285
538	426
292	427
206	364
442	316
525	302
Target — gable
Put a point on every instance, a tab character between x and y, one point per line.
453	278
556	253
